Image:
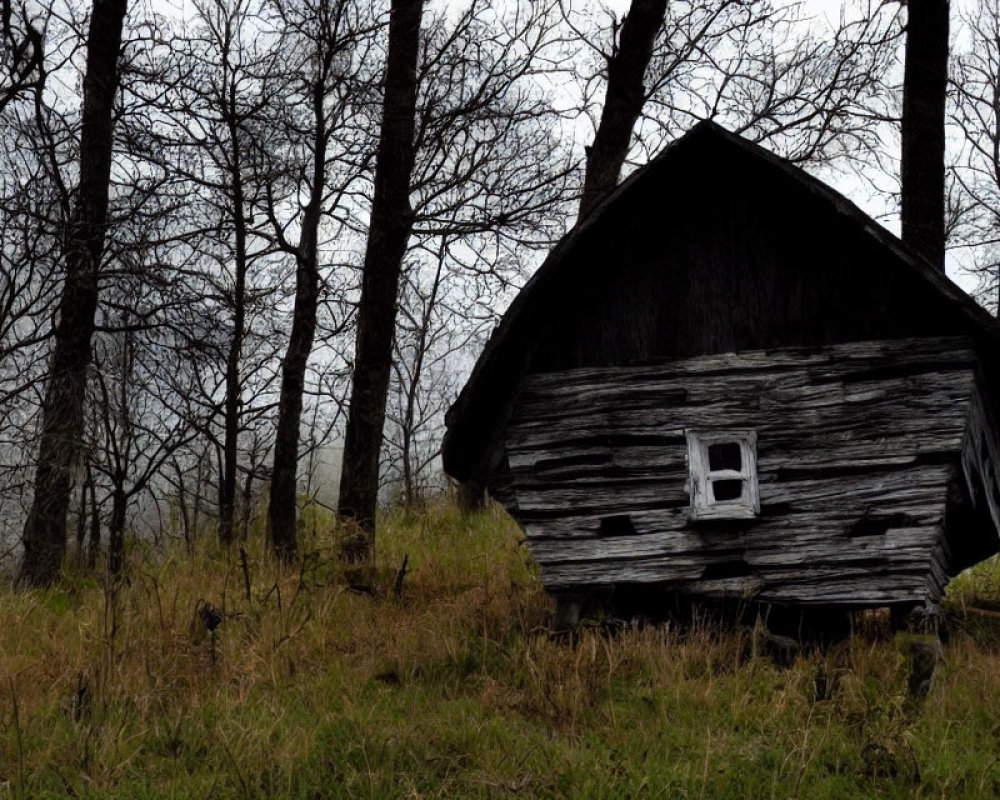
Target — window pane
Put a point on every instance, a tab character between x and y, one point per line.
727	490
725	455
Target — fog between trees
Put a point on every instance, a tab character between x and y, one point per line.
243	216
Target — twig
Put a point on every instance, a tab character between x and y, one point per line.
20	739
397	584
246	571
236	766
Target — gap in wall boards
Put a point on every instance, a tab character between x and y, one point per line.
618	525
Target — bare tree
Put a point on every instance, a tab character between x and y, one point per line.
491	171
212	99
22	63
422	380
624	99
333	39
186	480
812	92
975	86
62	421
41	138
138	422
30	222
226	27
489	174
388	235
923	159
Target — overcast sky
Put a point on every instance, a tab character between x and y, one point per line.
826	14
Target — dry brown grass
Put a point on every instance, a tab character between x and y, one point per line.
454	689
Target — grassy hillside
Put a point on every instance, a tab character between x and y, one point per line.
308	689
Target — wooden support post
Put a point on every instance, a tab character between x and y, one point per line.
920	626
782	650
569	608
924	654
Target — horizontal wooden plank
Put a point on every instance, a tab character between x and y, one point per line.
842	583
937	412
856	455
674	523
814	364
849	495
763	549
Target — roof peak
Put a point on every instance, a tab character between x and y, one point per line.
502	360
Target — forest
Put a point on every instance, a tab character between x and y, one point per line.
242	238
251	250
246	241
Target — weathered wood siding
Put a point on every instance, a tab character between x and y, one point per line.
856	445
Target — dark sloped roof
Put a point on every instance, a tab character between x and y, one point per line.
476	420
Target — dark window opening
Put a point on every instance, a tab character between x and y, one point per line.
725	455
618	525
727	490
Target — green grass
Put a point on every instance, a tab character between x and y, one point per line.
455	689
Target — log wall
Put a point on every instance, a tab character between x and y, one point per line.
856	445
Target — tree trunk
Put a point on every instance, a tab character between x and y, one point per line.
81	528
234	387
62	414
282	504
412	391
94	545
922	163
116	532
388	233
623	101
246	506
199	488
409	482
471	497
182	507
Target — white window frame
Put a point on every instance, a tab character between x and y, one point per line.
700	475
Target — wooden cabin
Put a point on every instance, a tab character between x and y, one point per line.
728	381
